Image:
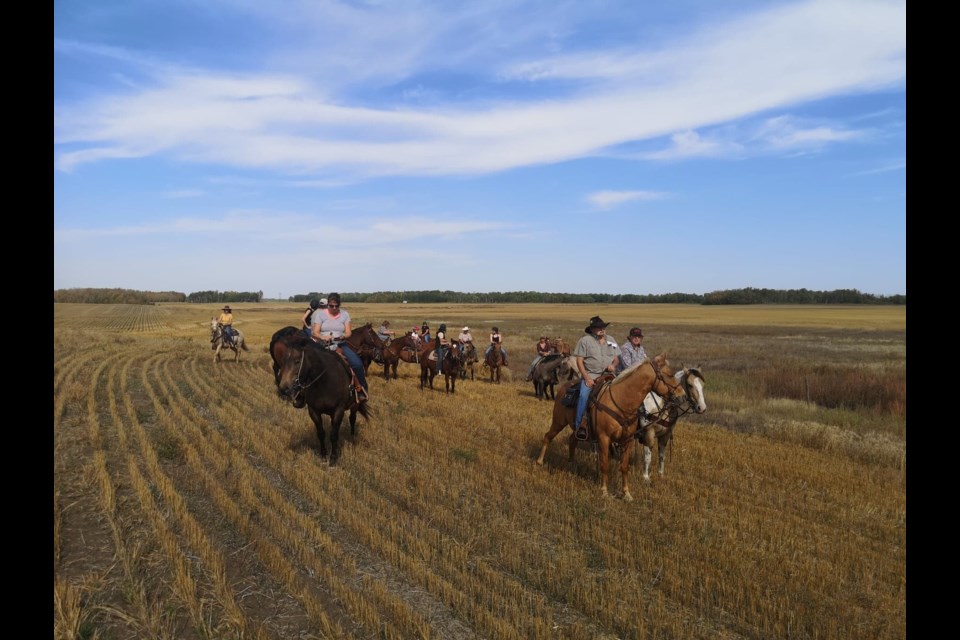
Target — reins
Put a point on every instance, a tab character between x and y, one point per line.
622	417
298	386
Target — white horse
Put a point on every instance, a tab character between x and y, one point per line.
661	417
217	343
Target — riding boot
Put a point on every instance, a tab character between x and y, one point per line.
583	432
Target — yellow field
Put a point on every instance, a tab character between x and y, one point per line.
190	502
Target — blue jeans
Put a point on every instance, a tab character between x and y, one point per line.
582	403
490	348
355	364
228	333
440	352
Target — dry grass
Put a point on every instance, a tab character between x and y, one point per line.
189	501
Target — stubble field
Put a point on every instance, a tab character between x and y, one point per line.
190	501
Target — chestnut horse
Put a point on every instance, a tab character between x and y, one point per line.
559	346
661	417
312	376
493	361
452	363
613	410
217	343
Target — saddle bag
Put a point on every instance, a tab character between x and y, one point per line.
571	396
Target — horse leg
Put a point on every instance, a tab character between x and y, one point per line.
557	425
603	461
335	421
353	421
662	451
318	423
626	455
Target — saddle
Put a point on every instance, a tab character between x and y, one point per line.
359	393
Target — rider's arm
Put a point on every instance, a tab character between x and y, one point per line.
583	371
347	331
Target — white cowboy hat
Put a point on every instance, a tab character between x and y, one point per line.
466	329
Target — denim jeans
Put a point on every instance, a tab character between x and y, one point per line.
582	402
355	363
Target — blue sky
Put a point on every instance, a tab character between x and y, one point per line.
614	146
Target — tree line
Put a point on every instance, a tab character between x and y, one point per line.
748	295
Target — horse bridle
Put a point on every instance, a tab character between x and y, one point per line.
297	387
621	416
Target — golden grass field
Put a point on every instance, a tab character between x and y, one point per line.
190	502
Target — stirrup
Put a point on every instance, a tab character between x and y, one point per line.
582	433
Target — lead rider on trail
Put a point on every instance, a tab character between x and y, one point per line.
331	328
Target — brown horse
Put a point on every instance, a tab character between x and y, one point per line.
312	376
452	363
366	343
493	361
559	346
217	341
394	352
614	414
661	417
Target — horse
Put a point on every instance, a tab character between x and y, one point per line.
559	346
545	375
312	376
217	343
470	359
278	343
493	361
614	412
568	371
366	343
452	364
661	417
399	349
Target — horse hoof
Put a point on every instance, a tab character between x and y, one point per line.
627	497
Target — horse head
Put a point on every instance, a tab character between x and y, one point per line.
692	380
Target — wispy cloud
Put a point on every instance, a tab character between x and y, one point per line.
609	199
293	124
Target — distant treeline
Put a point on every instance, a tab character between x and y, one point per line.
728	296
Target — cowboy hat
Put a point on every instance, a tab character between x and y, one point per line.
226	307
596	323
466	329
636	331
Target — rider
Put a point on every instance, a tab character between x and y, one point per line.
632	352
496	337
331	327
225	320
594	357
425	332
465	336
385	332
314	305
441	342
543	350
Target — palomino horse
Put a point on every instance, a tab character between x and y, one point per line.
452	364
217	343
614	413
661	417
493	361
470	359
312	376
546	375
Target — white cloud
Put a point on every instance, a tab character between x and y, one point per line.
610	199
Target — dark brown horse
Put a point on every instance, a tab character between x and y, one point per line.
398	349
312	376
452	364
366	344
661	417
493	361
614	413
546	375
278	345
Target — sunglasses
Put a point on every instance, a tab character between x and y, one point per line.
334	306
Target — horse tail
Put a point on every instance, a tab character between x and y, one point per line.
365	410
243	345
